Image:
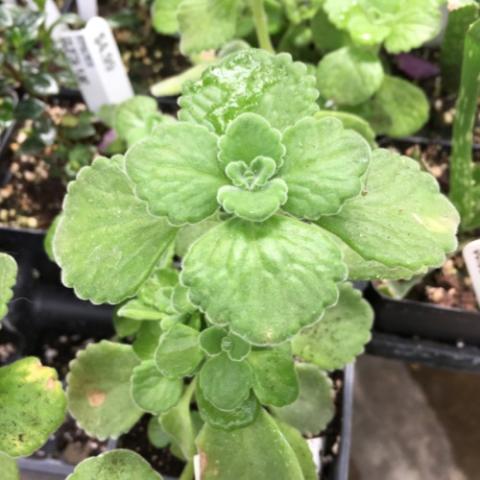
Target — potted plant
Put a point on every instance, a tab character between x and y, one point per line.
224	238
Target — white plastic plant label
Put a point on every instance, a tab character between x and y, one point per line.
315	445
95	60
87	9
471	254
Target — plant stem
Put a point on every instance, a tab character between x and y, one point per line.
261	25
187	472
462	183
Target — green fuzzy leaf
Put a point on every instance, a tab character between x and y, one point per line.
106	242
414	224
8	466
250	80
266	280
241	416
137	310
98	389
156	435
218	21
223	453
178	424
250	136
178	353
124	327
398	109
325	35
180	301
146	340
8	276
176	171
153	392
323	166
211	340
33	406
301	449
400	24
225	383
314	407
116	464
158	289
164	16
235	347
340	335
254	205
349	76
274	377
352	122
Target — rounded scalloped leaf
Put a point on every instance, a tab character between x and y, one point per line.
116	464
248	137
156	435
33	406
241	416
265	280
401	219
106	242
225	383
270	456
275	380
401	24
250	80
98	389
340	335
323	166
176	171
9	467
178	353
146	340
349	76
314	407
254	205
210	340
8	275
235	347
398	109
153	392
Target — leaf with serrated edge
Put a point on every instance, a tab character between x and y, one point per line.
250	80
398	109
401	219
106	242
98	389
275	380
270	457
350	75
132	114
225	383
164	16
250	136
178	352
211	340
340	335
301	449
153	392
265	280
401	24
137	310
241	416
178	424
323	166
33	406
116	464
8	467
218	20
8	275
256	205
314	407
176	171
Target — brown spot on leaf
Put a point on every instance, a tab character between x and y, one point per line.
203	463
96	398
51	384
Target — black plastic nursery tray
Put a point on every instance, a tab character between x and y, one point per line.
421	332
